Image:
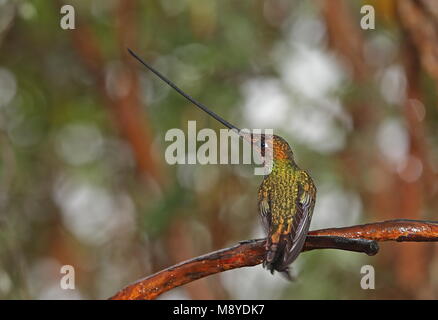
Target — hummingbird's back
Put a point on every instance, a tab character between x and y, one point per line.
286	202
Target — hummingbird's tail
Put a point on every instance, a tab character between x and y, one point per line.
271	263
281	250
274	255
268	263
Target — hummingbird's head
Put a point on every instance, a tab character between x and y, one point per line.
271	143
281	148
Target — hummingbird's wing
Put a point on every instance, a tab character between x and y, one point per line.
300	226
264	206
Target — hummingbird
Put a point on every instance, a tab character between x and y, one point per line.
286	196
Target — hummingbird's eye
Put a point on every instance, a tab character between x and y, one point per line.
262	142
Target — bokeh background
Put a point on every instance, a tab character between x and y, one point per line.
84	182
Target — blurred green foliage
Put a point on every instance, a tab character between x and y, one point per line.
72	191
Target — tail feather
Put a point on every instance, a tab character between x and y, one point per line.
285	273
274	256
280	254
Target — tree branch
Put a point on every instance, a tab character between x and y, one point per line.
360	238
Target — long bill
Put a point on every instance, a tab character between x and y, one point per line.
185	95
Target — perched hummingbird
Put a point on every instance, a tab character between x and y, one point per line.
286	197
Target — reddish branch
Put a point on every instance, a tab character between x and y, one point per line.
360	238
